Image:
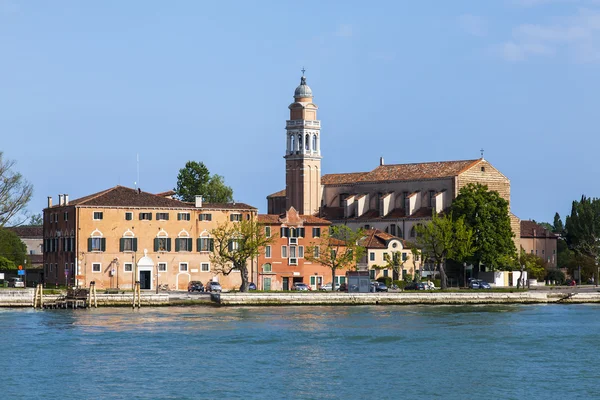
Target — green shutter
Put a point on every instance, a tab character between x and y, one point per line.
103	244
155	244
89	244
198	244
149	216
140	216
167	216
134	244
189	244
169	244
211	244
177	244
178	216
121	244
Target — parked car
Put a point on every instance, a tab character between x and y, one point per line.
327	286
300	286
379	286
479	284
16	282
212	286
251	286
195	286
415	286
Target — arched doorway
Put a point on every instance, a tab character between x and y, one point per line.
145	266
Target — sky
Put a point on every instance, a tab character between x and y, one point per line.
87	86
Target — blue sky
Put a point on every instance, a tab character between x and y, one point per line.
85	86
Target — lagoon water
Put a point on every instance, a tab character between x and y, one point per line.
361	352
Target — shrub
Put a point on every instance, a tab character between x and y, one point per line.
408	278
400	284
387	281
556	275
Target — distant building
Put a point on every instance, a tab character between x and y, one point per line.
283	263
107	236
32	236
535	239
377	246
391	198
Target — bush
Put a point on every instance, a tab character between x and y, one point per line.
556	275
387	281
437	282
408	278
400	284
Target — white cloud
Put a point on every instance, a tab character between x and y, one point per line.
576	37
473	24
344	30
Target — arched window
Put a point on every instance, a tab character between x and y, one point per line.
205	242
292	143
128	242
300	142
413	232
307	142
96	241
162	242
314	142
267	268
183	241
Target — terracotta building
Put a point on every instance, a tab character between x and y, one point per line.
283	263
391	198
535	239
121	235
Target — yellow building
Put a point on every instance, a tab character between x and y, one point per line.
380	244
121	235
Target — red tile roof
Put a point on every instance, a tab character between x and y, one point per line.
28	231
277	219
402	172
376	239
530	229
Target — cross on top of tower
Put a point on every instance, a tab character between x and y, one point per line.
481	152
303	70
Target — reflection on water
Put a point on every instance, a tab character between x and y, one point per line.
302	352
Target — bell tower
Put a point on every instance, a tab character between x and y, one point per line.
303	153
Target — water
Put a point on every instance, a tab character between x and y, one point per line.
451	352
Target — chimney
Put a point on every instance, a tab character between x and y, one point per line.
49	201
139	190
198	201
60	199
66	199
381	162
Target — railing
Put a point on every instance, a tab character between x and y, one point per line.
302	122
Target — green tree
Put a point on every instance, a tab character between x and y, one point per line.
558	226
582	227
337	248
15	192
445	238
195	179
486	213
235	243
12	248
6	264
535	266
36	219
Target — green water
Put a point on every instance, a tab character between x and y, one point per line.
395	352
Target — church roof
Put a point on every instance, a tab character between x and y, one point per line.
281	193
402	172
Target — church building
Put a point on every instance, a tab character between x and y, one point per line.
392	198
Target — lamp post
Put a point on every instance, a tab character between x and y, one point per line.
597	273
464	274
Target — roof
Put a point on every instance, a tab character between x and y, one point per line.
278	219
402	172
121	196
376	239
533	229
28	231
168	193
281	193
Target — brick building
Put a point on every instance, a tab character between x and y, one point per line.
110	236
535	239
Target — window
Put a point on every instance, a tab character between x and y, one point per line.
205	217
128	267
371	256
96	267
235	217
162	216
56	217
183	216
128	216
128	244
316	252
268	252
316	232
384	255
145	216
293	252
404	256
385	273
284	251
301	251
162	267
234	245
183	244
98	215
183	267
482	169
432	198
96	244
50	267
413	232
267	268
393	229
206	244
284	232
367	226
372	273
543	251
204	267
162	244
66	216
267	231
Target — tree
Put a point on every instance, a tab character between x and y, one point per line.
486	213
6	264
445	238
558	227
234	244
582	227
337	248
12	248
36	219
15	191
394	262
195	180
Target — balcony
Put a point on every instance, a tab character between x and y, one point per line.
302	123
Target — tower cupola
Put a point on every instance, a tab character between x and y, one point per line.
303	91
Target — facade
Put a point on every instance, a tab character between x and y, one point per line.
121	235
32	236
535	239
283	264
391	198
377	245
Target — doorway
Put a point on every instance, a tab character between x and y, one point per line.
316	282
286	283
145	279
266	283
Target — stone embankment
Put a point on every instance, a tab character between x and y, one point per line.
471	297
